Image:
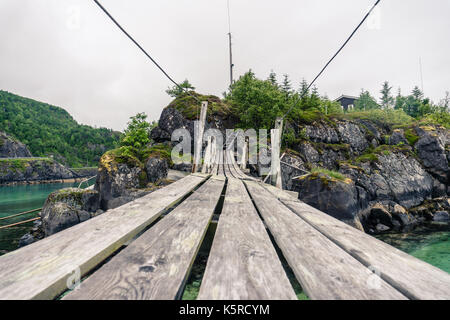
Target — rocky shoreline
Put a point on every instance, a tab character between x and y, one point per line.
372	176
116	184
18	166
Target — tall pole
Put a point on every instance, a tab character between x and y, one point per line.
231	60
229	41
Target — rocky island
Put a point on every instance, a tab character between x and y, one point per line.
369	174
17	165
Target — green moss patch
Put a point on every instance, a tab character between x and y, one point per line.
21	164
190	108
332	175
371	154
121	155
161	151
411	136
68	194
389	117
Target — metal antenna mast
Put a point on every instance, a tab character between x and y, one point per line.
229	39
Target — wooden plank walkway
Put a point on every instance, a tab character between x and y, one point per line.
40	270
157	264
413	277
330	259
322	268
243	264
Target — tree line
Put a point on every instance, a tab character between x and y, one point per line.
259	101
51	131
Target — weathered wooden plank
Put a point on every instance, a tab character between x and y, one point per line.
236	170
156	265
226	165
243	264
280	193
233	166
414	278
41	270
324	270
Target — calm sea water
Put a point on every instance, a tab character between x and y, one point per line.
20	198
430	243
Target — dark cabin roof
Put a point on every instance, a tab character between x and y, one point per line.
346	97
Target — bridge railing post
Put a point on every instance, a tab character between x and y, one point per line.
244	157
275	135
207	157
198	136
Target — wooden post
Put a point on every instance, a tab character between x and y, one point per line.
213	153
275	135
198	135
207	157
244	155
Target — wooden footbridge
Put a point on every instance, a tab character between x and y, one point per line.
145	249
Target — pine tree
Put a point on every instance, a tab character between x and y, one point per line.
386	98
366	101
399	100
304	91
273	78
445	103
417	93
286	86
177	91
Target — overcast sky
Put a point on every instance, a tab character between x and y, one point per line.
69	54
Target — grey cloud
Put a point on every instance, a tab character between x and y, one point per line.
96	74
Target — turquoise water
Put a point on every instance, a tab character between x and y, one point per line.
20	198
430	243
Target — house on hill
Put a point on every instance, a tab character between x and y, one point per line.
347	102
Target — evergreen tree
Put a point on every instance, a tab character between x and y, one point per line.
136	137
399	100
304	91
445	103
366	101
286	86
177	91
413	103
386	98
417	93
273	78
51	131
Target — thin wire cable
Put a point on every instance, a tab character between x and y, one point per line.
142	49
332	58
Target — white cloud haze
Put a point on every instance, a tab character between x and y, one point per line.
88	67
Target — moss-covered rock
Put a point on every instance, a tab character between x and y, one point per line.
336	196
118	177
67	207
184	110
32	169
